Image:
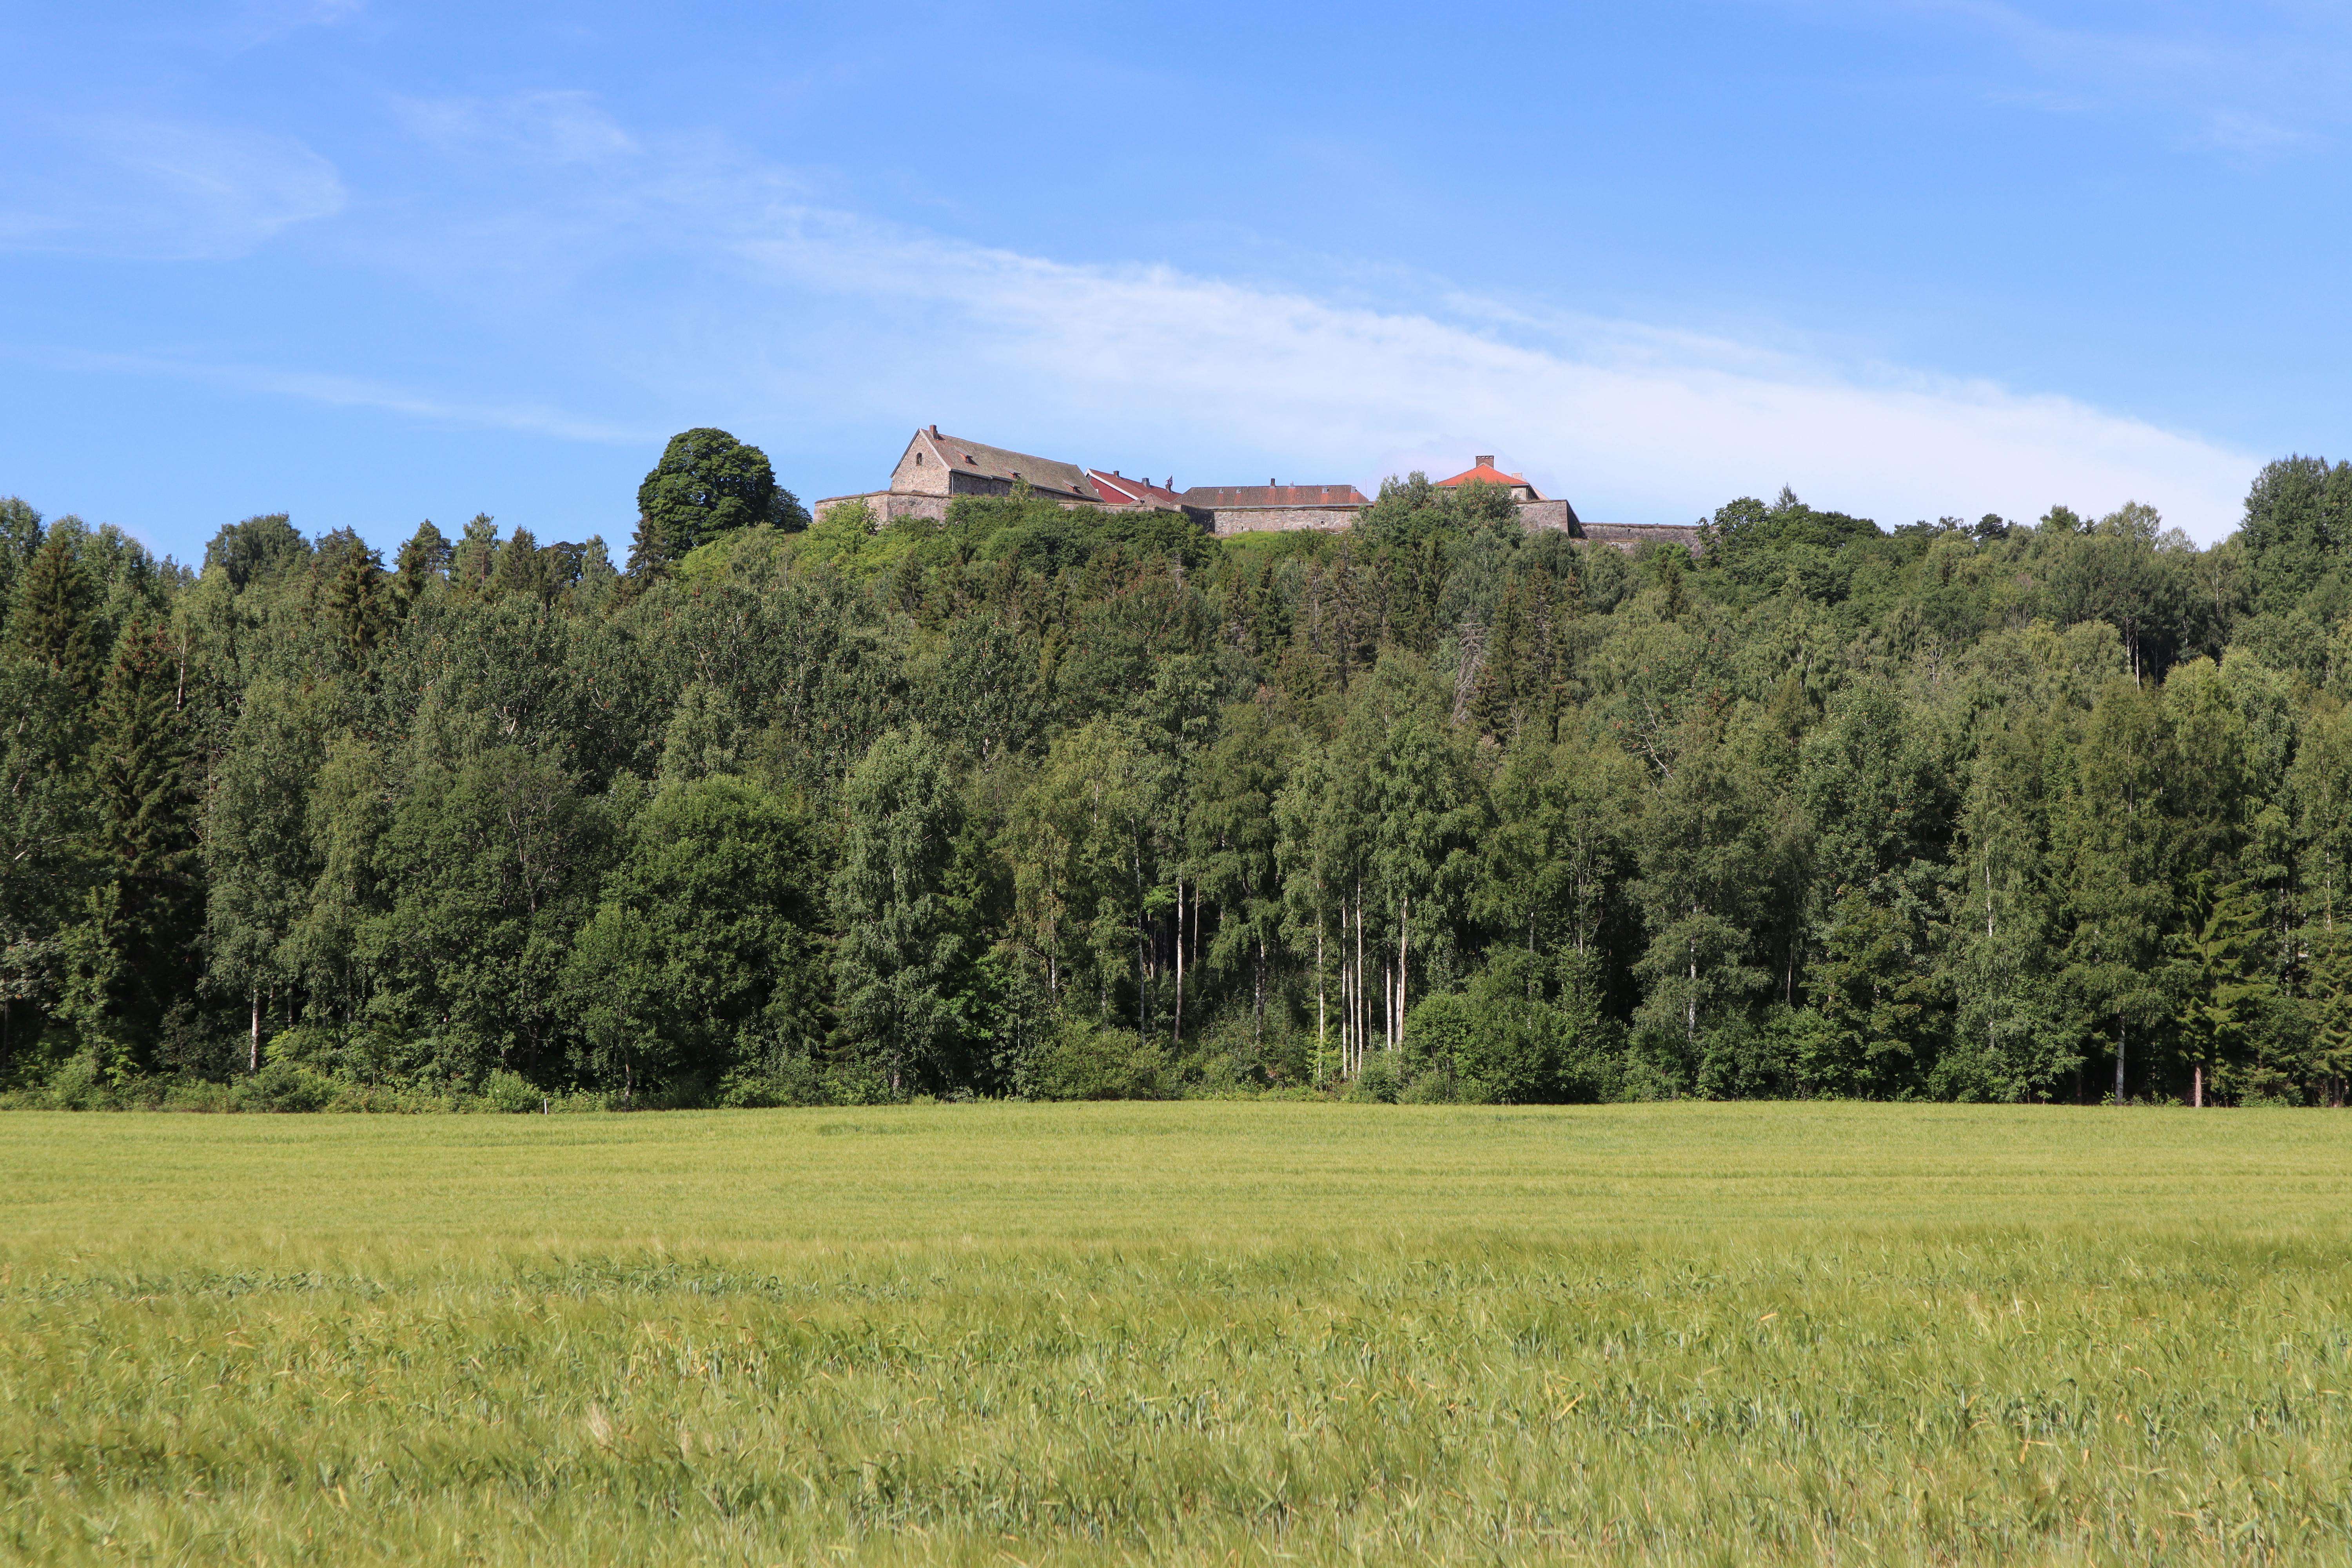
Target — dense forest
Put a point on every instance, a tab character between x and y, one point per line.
1059	803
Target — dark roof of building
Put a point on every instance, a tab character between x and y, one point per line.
1002	463
1273	495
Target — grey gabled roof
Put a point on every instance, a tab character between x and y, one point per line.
1000	463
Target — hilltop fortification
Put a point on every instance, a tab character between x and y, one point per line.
935	469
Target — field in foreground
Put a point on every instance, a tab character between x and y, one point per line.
1027	1334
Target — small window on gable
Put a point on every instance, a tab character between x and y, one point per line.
918	459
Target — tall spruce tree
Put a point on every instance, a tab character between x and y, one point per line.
139	947
54	620
20	536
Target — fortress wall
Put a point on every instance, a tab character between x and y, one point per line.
1280	519
888	506
1551	514
1630	537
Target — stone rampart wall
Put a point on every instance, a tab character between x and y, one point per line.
1630	537
1551	514
1279	519
888	506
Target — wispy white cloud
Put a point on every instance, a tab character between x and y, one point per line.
1627	420
252	24
2244	76
830	320
695	278
2252	134
174	191
349	392
537	127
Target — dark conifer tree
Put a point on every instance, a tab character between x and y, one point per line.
20	536
424	559
54	620
355	599
142	770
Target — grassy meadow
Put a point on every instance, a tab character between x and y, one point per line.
1703	1333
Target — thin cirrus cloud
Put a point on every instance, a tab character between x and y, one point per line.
158	190
846	329
836	322
842	327
527	415
1630	422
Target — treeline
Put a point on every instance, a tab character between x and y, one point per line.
1060	804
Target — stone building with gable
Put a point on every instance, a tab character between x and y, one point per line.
935	469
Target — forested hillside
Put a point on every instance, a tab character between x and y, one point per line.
1058	804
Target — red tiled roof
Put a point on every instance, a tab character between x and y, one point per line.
1119	488
1484	474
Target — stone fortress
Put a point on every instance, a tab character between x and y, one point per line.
934	469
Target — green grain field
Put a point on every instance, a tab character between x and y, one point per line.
1014	1334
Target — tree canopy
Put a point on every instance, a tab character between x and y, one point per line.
706	485
1035	800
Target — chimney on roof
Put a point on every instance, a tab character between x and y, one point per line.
1485	462
935	432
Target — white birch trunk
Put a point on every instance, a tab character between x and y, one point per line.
1404	966
1180	964
1319	1047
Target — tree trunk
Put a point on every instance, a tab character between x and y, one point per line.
1319	1006
1347	1035
2119	1058
1404	954
2197	1086
1142	958
1180	964
1363	1007
1258	1025
1690	1002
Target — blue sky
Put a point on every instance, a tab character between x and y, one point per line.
372	262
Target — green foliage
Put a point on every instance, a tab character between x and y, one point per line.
904	960
135	954
20	540
53	618
1082	1060
511	1094
707	484
256	549
859	812
698	956
2298	526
